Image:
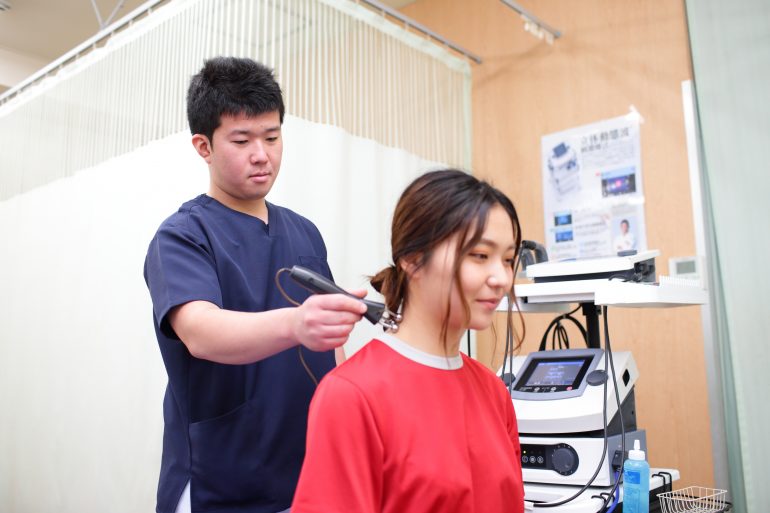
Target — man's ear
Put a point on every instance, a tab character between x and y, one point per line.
203	146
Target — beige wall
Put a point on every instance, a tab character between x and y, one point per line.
613	54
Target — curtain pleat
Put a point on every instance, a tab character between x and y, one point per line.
338	63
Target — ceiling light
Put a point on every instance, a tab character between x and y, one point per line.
533	24
5	5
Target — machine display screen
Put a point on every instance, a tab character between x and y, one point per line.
544	375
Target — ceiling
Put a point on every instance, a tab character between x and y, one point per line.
34	33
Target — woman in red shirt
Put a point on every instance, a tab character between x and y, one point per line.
408	423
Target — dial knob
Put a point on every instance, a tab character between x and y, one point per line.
564	459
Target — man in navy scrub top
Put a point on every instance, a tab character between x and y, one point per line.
242	362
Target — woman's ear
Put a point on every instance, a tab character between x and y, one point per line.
409	265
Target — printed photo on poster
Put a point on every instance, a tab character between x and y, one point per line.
592	189
624	237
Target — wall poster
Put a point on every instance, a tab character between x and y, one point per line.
592	190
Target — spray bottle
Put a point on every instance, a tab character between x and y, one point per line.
636	482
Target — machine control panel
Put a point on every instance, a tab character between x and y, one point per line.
553	375
561	458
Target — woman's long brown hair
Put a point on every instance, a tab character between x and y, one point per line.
433	208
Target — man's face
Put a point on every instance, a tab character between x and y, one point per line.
244	157
624	227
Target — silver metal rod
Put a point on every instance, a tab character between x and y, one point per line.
80	49
150	4
114	12
98	14
409	22
519	9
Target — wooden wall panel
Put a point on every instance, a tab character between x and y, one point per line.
613	54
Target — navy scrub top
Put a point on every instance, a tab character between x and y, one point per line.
236	432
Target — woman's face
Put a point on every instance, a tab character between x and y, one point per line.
486	275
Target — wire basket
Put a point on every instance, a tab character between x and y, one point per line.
694	499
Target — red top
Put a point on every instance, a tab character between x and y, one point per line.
393	435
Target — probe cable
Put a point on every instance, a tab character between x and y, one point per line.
295	303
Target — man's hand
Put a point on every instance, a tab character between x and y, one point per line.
324	321
211	333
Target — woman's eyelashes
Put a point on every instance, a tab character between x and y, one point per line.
483	256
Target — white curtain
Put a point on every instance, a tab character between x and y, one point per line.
93	158
337	62
81	378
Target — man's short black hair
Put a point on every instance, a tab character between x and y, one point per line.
231	86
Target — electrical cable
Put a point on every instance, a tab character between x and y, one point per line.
598	467
635	278
608	362
307	367
608	356
616	495
508	359
561	332
280	288
561	336
508	350
468	332
295	303
509	384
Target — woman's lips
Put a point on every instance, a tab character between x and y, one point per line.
490	304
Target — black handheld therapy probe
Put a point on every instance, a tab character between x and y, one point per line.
376	313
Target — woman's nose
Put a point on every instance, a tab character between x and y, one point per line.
500	275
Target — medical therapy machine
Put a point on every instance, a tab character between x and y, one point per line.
560	399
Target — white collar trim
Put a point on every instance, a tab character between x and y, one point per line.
421	357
